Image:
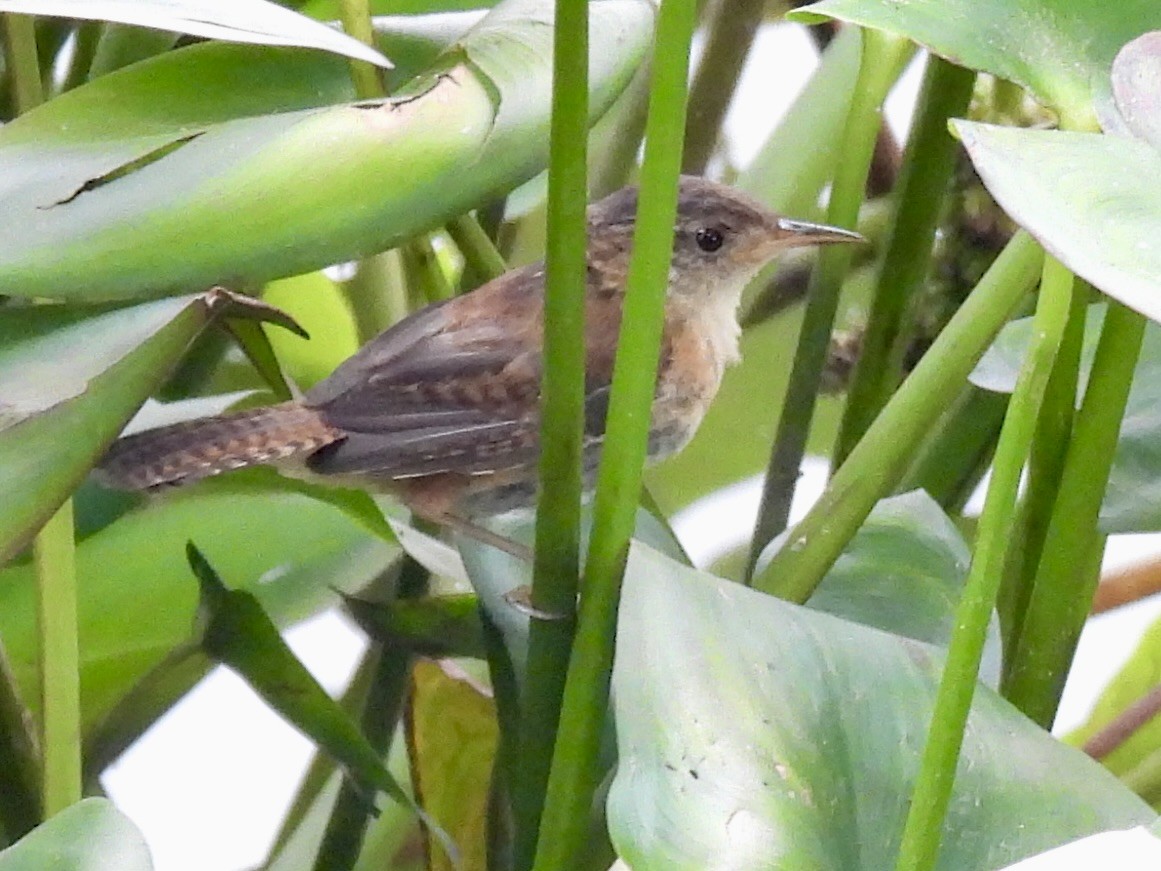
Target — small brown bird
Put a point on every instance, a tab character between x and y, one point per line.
442	409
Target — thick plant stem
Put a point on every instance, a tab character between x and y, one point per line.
732	28
1045	467
862	125
478	250
20	59
879	460
951	461
377	295
55	557
356	17
921	834
556	569
54	549
574	777
928	163
1068	571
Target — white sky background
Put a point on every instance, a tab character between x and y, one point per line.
210	783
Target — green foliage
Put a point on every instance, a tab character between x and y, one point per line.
745	731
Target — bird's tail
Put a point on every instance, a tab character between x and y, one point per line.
195	449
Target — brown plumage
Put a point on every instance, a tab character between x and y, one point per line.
443	408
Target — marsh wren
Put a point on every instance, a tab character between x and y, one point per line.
442	409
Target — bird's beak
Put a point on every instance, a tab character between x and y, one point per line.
795	233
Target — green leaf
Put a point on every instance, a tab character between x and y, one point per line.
1132	500
136	598
219	161
784	738
1061	50
92	835
903	573
69	380
1094	202
436	626
237	632
451	721
256	21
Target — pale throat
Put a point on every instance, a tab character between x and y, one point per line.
719	318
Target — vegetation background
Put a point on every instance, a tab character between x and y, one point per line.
814	702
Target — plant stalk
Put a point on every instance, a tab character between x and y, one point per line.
478	250
919	849
1045	468
731	30
574	777
556	567
356	18
877	463
1068	572
928	163
876	77
21	61
55	556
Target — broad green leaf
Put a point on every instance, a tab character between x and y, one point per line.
219	162
903	573
136	598
69	380
256	21
92	835
316	303
1094	202
781	737
1061	50
1132	500
453	735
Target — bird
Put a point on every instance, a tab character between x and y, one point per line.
441	409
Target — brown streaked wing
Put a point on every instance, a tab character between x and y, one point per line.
452	388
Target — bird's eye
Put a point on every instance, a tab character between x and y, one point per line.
709	238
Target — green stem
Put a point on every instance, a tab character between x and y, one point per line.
556	569
1069	566
928	163
574	777
922	833
478	250
342	840
54	549
423	270
356	18
952	460
377	294
731	31
21	61
876	75
1045	465
879	460
55	556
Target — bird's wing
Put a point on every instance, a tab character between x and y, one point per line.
454	388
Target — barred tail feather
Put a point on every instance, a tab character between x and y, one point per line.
195	449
